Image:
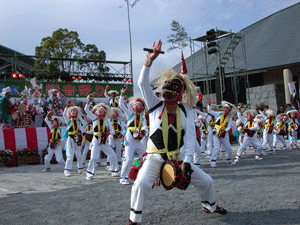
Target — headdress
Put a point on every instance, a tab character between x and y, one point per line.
270	112
108	110
50	92
238	122
228	105
253	113
291	111
113	91
79	111
281	115
120	113
189	87
200	117
133	100
59	119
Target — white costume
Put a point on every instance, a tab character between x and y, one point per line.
105	124
250	138
270	125
152	165
278	135
220	140
131	144
55	132
116	142
71	146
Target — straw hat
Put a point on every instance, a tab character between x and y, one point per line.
109	111
270	112
79	114
113	91
60	120
253	113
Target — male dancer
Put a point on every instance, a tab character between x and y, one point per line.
169	121
220	132
136	130
101	124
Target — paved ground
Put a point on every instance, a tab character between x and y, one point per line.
253	192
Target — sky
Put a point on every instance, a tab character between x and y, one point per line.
104	23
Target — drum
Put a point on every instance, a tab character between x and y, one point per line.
171	176
296	127
21	108
78	138
14	116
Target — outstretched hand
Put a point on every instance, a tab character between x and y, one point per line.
151	56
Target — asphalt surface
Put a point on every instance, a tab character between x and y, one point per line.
252	191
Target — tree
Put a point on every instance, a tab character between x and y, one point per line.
179	39
68	51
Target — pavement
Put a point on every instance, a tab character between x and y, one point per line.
253	192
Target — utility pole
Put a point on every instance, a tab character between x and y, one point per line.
130	40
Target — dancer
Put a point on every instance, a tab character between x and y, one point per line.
270	125
220	132
169	121
101	125
73	134
293	126
55	141
87	139
280	131
113	100
250	127
115	141
136	130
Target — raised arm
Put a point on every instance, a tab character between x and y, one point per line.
148	95
127	111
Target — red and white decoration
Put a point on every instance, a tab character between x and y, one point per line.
19	138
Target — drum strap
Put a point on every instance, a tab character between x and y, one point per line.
54	136
269	123
212	121
292	124
135	124
280	126
223	123
99	127
165	131
75	130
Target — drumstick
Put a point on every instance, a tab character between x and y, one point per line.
151	50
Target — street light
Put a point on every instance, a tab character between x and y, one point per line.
129	38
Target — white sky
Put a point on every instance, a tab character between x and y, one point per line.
104	23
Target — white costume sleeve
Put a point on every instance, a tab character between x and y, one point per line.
190	137
124	108
149	97
66	117
239	114
48	123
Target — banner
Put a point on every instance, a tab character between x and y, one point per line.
69	90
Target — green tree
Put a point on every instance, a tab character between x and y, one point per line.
63	45
179	39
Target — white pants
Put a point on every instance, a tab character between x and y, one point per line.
217	146
85	150
268	138
241	138
58	156
108	150
209	141
132	146
117	145
250	140
293	138
147	176
71	149
280	138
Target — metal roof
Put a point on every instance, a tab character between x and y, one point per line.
270	42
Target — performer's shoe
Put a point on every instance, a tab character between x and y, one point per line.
88	178
229	161
258	157
235	160
131	223
295	146
219	210
46	170
124	181
213	164
273	152
67	174
115	174
100	164
81	172
263	152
